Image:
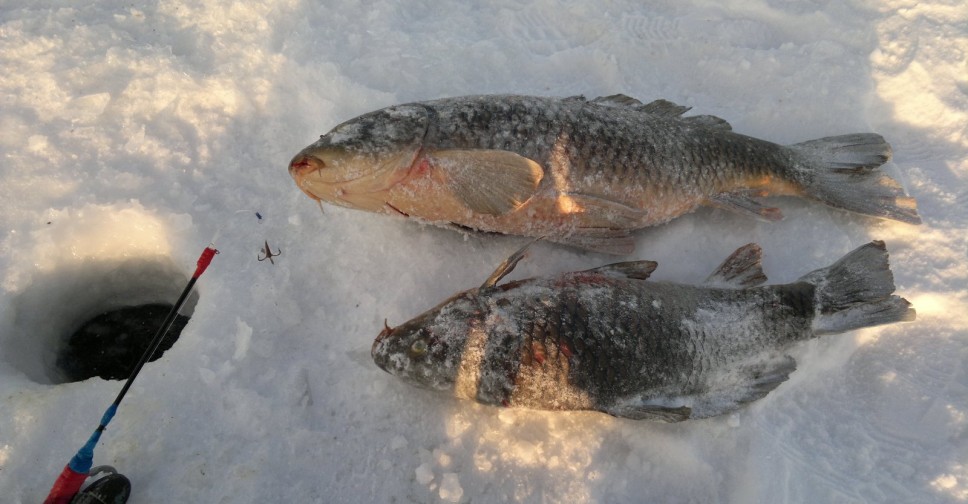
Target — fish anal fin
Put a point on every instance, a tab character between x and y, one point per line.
763	378
637	270
491	182
651	412
743	385
743	202
741	269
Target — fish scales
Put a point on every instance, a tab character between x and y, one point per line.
601	141
609	340
580	172
617	358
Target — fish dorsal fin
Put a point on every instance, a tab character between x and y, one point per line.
710	122
668	109
664	108
618	100
637	270
507	266
491	182
741	269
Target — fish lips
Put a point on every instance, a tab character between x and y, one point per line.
378	350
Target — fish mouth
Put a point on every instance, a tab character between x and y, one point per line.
304	165
379	357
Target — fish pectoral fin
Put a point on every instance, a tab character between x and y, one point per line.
491	182
741	269
652	412
636	270
604	240
743	202
507	266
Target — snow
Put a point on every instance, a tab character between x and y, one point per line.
450	489
132	134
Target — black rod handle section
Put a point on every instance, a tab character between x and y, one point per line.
156	341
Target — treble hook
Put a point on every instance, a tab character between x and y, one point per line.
269	254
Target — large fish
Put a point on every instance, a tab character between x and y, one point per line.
606	339
580	172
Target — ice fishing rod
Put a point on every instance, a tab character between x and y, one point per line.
76	471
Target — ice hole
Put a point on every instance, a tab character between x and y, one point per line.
94	318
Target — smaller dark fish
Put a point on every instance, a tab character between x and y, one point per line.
606	339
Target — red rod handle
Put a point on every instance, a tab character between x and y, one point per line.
66	486
204	260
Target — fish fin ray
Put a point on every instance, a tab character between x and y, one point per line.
710	122
742	202
618	100
667	108
844	172
605	213
664	108
741	269
636	270
855	292
765	377
604	240
754	382
652	412
507	266
491	182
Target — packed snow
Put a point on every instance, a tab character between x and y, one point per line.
133	134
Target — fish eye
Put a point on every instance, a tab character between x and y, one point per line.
418	348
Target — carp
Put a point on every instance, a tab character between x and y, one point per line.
581	172
609	340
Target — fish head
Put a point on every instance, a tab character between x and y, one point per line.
360	159
428	350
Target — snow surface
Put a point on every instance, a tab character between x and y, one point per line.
132	133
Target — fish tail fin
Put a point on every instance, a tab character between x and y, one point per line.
856	292
844	172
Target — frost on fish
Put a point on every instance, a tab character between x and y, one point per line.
607	339
581	172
